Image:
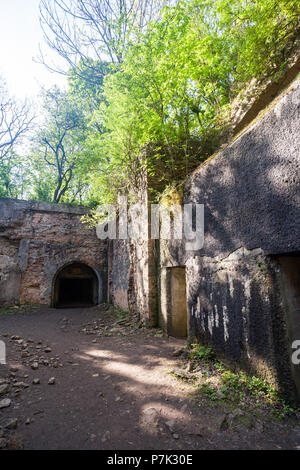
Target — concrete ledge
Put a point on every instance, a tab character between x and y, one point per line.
9	205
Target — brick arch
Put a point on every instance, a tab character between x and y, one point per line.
76	284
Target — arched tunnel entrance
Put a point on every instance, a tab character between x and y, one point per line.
76	285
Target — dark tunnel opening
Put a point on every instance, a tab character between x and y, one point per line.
75	286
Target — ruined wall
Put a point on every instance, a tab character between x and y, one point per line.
236	292
133	278
36	240
120	274
133	273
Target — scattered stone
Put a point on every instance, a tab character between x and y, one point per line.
176	436
21	384
237	412
177	352
12	424
47	350
5	403
181	373
170	425
190	367
150	419
3	443
4	389
14	368
259	426
106	436
34	365
36	381
220	395
28	421
51	381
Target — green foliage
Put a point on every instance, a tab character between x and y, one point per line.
14	176
201	352
177	81
163	106
59	158
219	383
209	392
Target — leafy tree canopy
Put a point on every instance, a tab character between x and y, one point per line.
154	94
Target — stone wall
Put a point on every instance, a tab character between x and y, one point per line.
133	278
38	239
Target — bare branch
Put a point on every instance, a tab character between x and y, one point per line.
16	120
80	30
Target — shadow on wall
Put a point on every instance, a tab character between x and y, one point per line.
250	193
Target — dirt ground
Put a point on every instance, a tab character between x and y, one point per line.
111	388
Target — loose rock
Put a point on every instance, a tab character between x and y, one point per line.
5	403
12	424
106	436
4	389
3	443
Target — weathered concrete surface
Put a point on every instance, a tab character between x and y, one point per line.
119	274
236	306
133	278
237	293
251	190
38	239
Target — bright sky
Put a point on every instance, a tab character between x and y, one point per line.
20	36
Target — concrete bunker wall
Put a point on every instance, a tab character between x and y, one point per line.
238	296
39	239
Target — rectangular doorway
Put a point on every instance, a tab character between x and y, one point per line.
174	316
